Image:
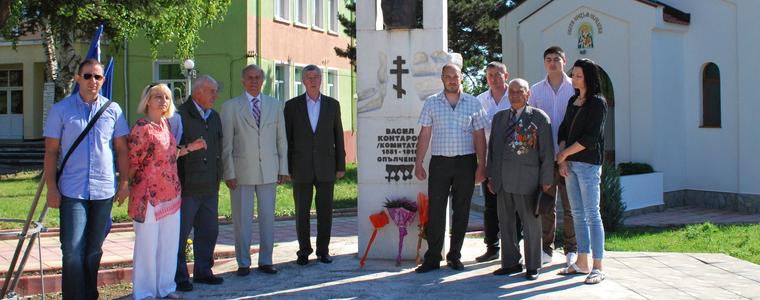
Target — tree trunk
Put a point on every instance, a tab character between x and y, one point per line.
48	44
5	11
67	63
62	60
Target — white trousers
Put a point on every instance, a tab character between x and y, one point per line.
155	255
242	215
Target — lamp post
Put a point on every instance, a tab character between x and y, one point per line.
189	72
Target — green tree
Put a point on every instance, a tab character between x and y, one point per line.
349	28
473	32
62	23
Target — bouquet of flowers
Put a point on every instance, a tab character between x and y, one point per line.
402	212
422	205
379	220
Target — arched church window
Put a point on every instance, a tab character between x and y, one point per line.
711	96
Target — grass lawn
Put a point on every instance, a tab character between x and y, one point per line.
17	192
740	241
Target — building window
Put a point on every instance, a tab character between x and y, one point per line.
170	73
282	9
711	96
332	22
332	83
300	11
299	88
281	82
11	92
319	12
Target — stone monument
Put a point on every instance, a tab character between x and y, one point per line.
398	67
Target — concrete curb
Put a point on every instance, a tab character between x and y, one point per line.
110	273
127	226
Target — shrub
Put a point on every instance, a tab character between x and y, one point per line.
611	203
632	168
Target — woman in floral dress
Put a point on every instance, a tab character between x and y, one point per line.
154	200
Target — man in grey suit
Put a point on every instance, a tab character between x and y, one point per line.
254	155
520	164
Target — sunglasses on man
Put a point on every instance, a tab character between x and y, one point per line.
88	76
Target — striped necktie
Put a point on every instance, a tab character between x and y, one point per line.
256	110
512	124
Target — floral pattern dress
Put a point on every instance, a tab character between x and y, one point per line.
153	154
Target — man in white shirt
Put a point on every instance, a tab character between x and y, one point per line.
493	100
551	95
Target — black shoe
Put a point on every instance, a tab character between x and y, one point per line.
243	271
531	274
455	264
510	270
325	259
424	268
302	260
268	269
209	280
491	254
184	286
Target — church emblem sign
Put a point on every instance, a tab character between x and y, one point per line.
586	26
585	36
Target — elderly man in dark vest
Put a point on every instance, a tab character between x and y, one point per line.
200	173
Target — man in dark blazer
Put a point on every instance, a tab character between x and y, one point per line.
200	173
316	158
520	164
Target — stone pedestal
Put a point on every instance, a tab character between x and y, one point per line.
397	70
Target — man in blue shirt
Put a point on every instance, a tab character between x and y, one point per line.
453	125
87	186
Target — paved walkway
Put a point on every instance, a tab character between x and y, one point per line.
691	215
631	275
118	247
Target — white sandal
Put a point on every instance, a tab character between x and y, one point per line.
572	269
596	276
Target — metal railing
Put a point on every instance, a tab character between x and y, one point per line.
31	231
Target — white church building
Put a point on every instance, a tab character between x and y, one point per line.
682	85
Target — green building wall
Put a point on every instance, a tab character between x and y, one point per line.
222	54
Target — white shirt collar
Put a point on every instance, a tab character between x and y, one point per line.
250	97
203	112
310	100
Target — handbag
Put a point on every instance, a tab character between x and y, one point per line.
544	203
81	136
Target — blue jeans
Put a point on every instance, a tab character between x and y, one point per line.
584	195
84	225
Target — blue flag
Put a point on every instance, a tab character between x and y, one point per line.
94	52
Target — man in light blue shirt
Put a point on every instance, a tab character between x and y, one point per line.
452	125
87	186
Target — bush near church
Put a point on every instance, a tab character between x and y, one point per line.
632	168
611	204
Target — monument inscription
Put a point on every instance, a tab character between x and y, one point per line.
397	148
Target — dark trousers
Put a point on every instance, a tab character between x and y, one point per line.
84	225
509	204
549	220
453	176
491	219
302	194
199	214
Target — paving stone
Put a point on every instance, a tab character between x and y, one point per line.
630	275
